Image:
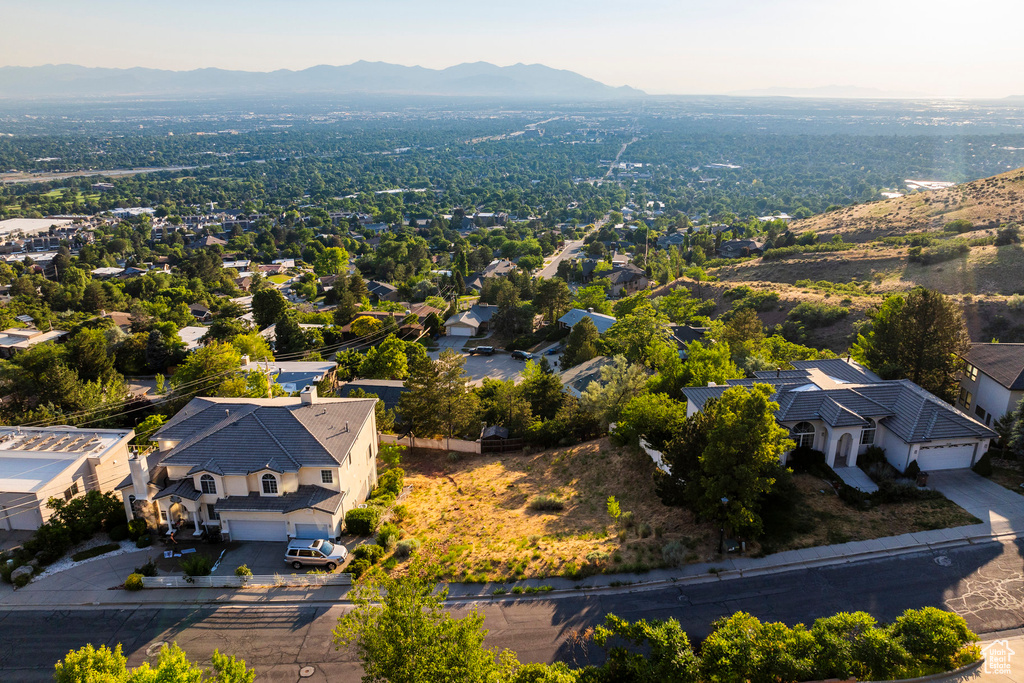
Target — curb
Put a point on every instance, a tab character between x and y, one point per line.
939	676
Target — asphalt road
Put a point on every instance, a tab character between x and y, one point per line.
983	583
571	250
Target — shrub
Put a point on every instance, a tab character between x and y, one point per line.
675	553
407	547
901	492
357	567
932	636
806	460
644	530
390	482
813	315
959	226
873	455
196	565
243	571
984	465
148	569
22	580
362	521
95	552
119	533
144	541
546	504
372	553
850	645
913	469
133	582
400	513
137	528
614	509
387	537
627	519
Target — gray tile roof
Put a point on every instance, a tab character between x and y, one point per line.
306	497
1002	362
601	321
241	436
387	390
183	488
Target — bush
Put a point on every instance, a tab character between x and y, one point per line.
196	565
137	529
148	569
243	571
902	492
806	460
546	504
119	533
984	465
362	521
406	548
390	482
933	636
372	553
95	552
873	455
813	315
676	553
22	581
133	582
913	469
144	541
387	537
357	567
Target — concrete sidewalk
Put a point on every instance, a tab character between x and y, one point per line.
95	583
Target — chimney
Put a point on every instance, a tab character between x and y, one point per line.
246	360
308	395
590	309
139	468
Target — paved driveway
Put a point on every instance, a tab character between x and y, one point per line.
265	558
1000	508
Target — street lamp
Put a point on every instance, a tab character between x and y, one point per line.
721	534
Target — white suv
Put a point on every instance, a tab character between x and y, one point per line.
315	553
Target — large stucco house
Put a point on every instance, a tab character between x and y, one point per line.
39	463
259	469
841	408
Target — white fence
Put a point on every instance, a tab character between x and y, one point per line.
255	581
433	444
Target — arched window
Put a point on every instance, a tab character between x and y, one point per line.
803	434
269	483
208	484
867	435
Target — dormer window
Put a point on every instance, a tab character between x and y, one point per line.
269	484
208	484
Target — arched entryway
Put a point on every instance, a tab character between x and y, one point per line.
843	451
177	514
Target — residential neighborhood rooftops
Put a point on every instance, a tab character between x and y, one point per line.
31	456
577	378
293	375
601	322
19	338
307	496
387	390
1002	362
191	336
280	434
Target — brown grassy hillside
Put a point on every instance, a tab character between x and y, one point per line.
987	203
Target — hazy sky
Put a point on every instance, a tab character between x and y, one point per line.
943	48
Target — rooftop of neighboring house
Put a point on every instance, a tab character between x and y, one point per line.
842	393
30	457
601	321
234	436
1002	362
292	375
387	390
24	337
580	376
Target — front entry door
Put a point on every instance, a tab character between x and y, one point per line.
843	451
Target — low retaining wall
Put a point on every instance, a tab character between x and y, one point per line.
255	581
433	444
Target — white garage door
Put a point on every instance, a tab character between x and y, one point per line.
952	457
252	530
313	531
460	331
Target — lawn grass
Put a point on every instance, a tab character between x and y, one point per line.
1008	477
279	279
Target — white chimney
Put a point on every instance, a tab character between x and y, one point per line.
246	360
308	395
139	467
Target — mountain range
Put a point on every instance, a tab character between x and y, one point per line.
478	79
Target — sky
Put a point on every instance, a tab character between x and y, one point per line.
936	48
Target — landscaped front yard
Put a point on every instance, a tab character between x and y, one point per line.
1008	475
477	511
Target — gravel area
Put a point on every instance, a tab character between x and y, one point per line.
127	546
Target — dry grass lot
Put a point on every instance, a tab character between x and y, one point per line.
1008	475
477	511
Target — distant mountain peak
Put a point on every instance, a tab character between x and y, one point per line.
527	81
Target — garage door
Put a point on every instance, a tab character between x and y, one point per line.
952	457
313	531
460	331
251	530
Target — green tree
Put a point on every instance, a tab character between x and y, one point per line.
438	400
89	664
331	261
503	403
582	343
641	335
543	390
365	326
387	360
404	633
147	427
254	345
620	382
662	651
1015	434
920	337
211	370
741	461
655	417
594	297
268	306
87	353
553	297
697	274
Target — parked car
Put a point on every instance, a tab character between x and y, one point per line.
317	552
554	350
482	351
522	355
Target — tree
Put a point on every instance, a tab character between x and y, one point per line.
553	297
619	383
211	370
357	286
387	360
110	666
254	345
655	417
503	403
145	429
87	353
1015	435
639	335
365	326
542	388
665	652
594	297
742	458
385	424
697	274
268	306
331	261
920	337
438	400
345	309
404	633
582	343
